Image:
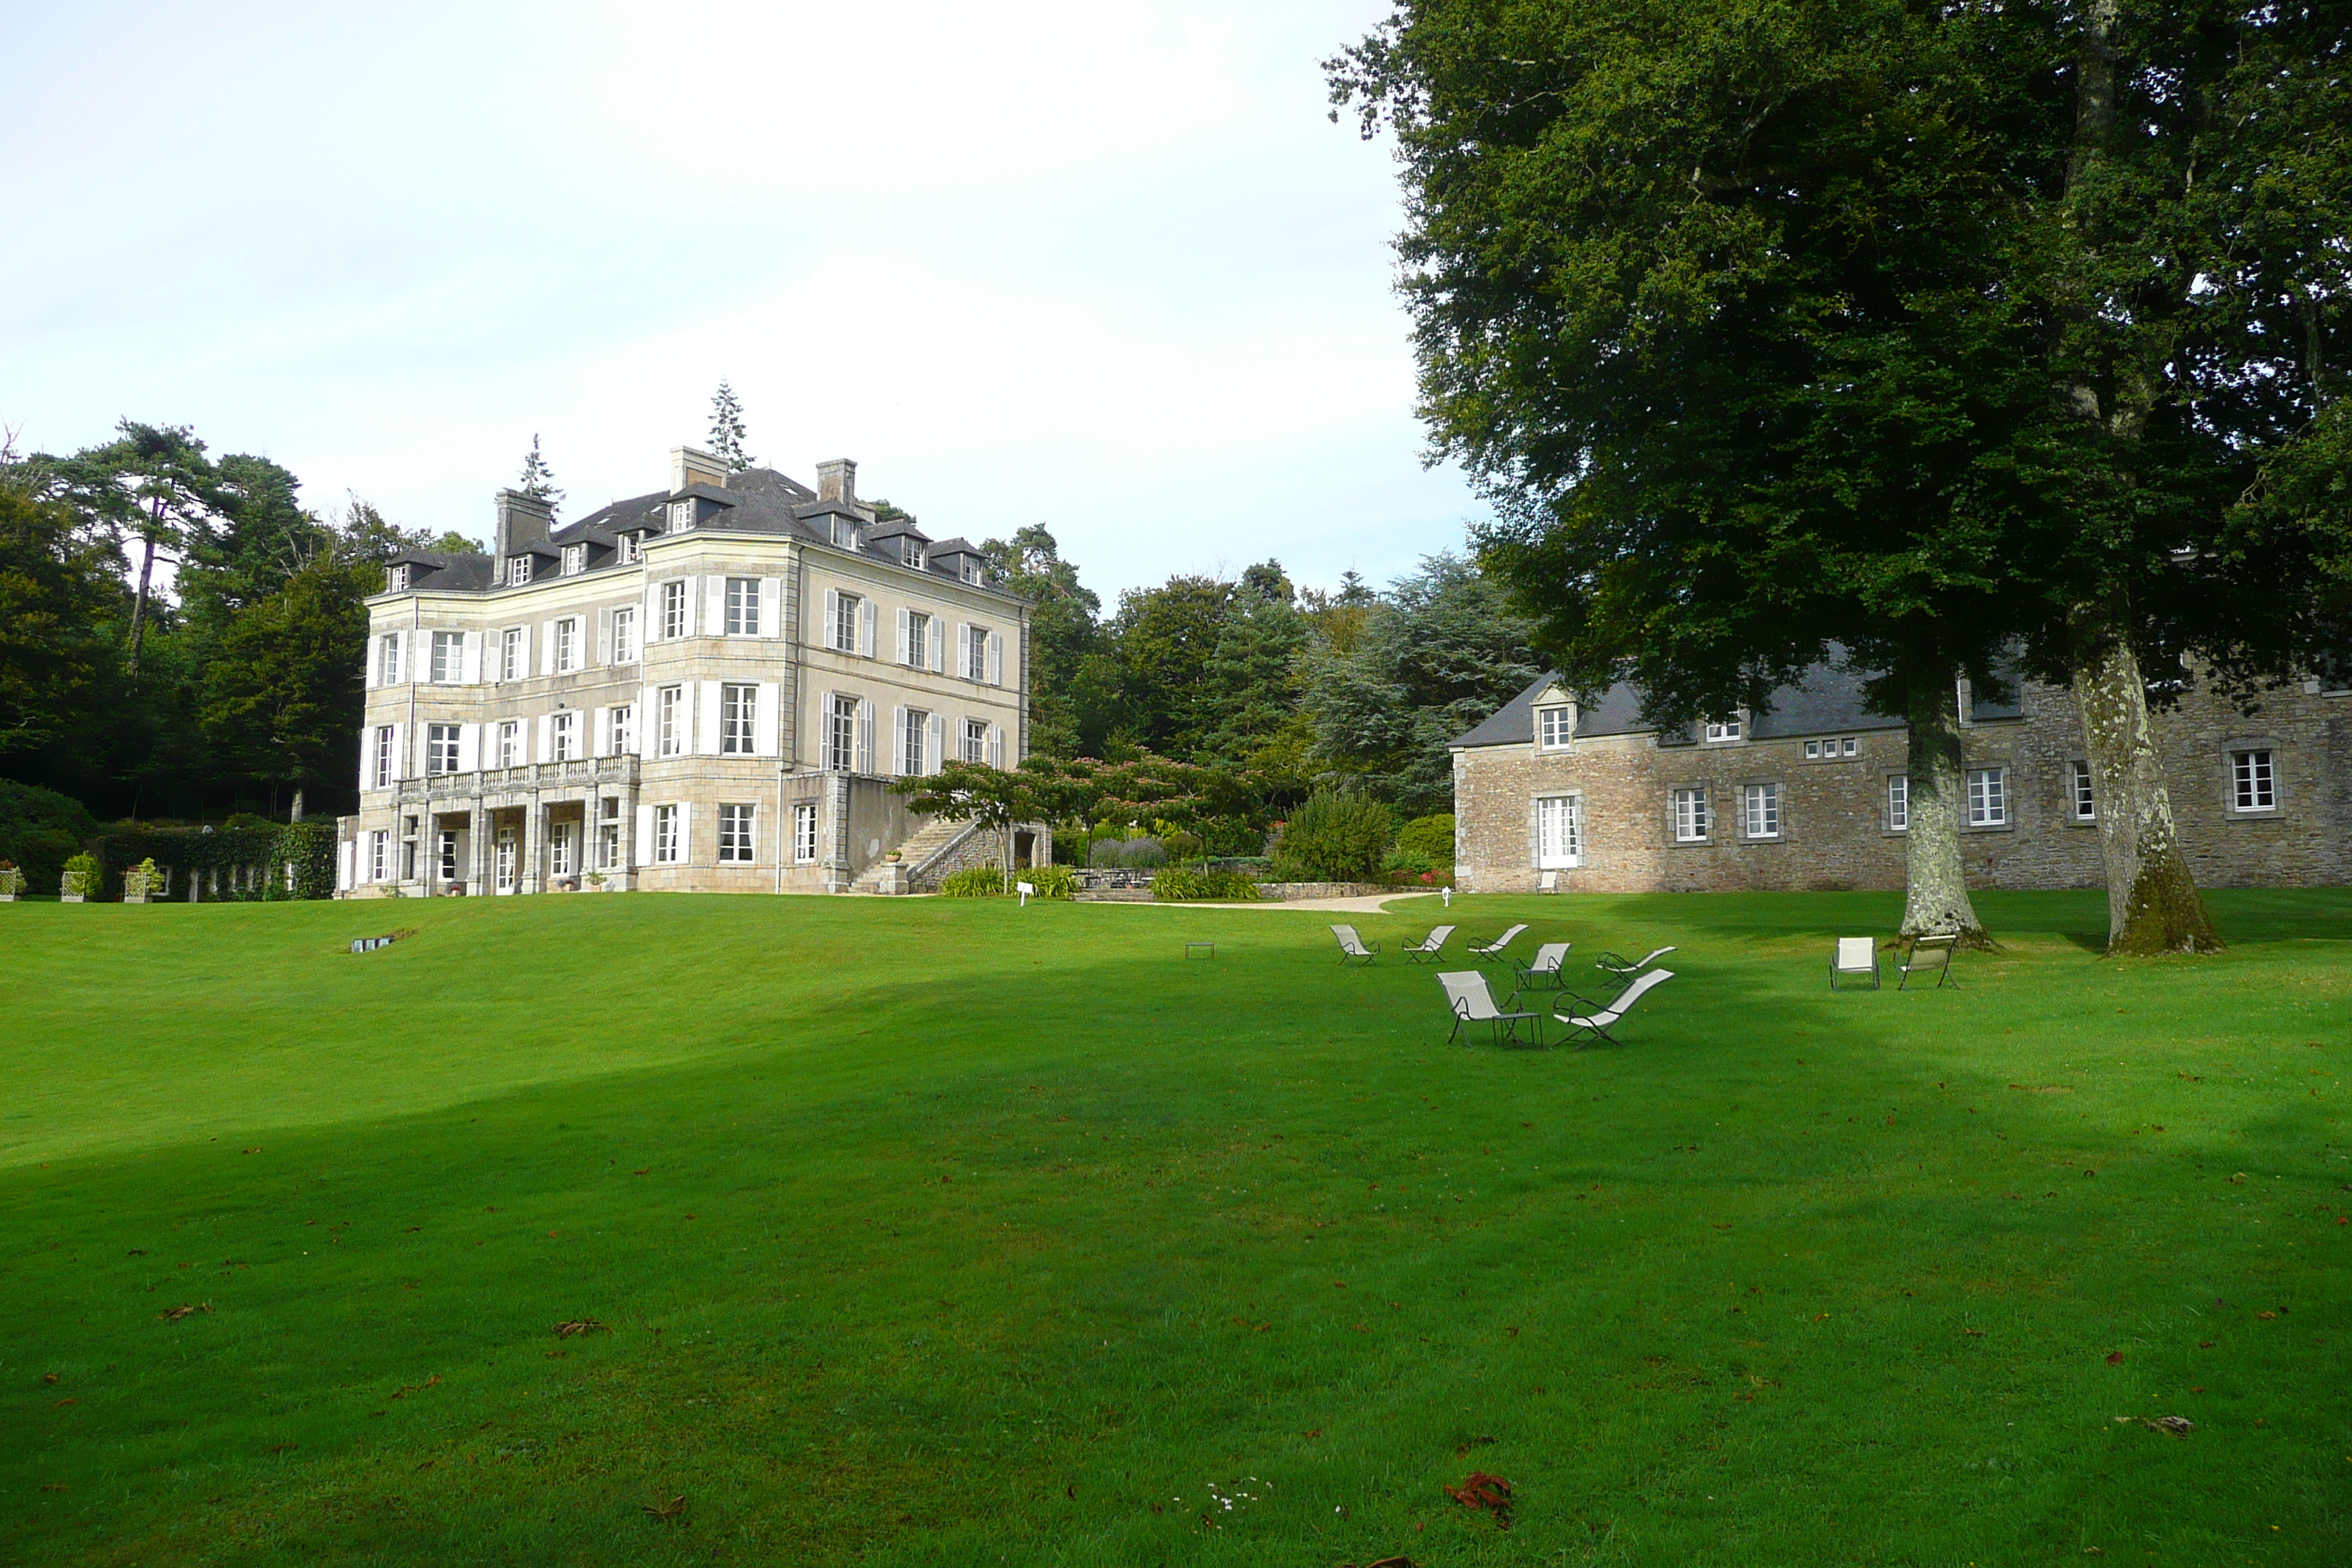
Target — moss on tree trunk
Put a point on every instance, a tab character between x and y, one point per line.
1936	885
2152	900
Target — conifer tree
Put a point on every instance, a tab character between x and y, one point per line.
727	429
538	479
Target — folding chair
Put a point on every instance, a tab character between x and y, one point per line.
1938	951
1855	956
1625	968
1544	971
1597	1021
1547	883
1428	946
1466	994
1488	952
1353	948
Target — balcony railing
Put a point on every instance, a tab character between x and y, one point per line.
615	771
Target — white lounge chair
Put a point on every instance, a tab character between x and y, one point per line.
1547	883
1493	949
1466	994
1545	970
1625	968
1856	956
1354	949
1428	946
1929	952
1597	1021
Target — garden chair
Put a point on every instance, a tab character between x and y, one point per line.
1545	970
1353	948
1597	1021
1466	994
1624	969
1855	956
1547	883
1428	946
1929	952
1486	952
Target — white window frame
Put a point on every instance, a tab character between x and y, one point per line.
623	729
669	844
514	643
673	609
739	718
1987	791
914	742
1693	814
567	645
451	671
1759	811
681	515
442	749
1560	832
518	571
1555	728
739	834
395	581
2082	792
387	669
383	742
841	735
1722	732
559	848
804	833
975	740
742	607
508	735
917	654
564	737
379	854
1898	803
575	560
631	548
844	632
669	730
975	653
624	635
2253	786
608	833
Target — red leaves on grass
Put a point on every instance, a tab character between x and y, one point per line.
173	1314
580	1326
665	1512
2114	1358
418	1387
2266	1314
64	1402
1253	1328
1481	1491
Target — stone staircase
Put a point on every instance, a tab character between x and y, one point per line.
933	839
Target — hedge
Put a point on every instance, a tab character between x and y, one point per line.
309	846
989	882
1180	885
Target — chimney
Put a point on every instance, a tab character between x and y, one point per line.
838	480
523	520
690	466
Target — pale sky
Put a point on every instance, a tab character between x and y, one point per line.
1103	266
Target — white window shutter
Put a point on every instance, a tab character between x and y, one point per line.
344	864
469	747
546	752
831	628
644	847
704	695
367	757
931	645
605	635
763	721
865	734
546	647
936	752
374	662
685	832
715	597
471	660
898	741
996	745
865	628
995	660
771	606
399	753
649	626
644	721
604	731
905	620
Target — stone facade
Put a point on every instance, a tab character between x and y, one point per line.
708	689
1833	821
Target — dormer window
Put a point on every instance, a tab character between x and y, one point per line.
632	549
518	571
968	569
1555	726
911	551
575	560
396	580
844	531
681	515
1719	730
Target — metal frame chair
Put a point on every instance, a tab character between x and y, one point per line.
1625	968
1855	956
1550	961
1354	949
1943	947
1473	1002
1428	947
1596	1020
1486	952
1547	883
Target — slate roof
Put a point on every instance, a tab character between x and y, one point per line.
1827	702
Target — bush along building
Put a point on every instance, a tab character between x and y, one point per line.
1811	792
704	689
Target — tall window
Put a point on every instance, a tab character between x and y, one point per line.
509	742
1560	832
1898	803
559	848
673	610
2080	798
975	740
1721	729
845	622
1987	797
624	729
514	643
910	552
975	653
444	854
2253	784
841	735
738	707
669	844
441	748
517	570
918	650
632	549
448	657
1692	822
844	531
742	606
735	835
913	731
669	720
804	833
608	833
1760	806
575	560
681	516
388	665
383	756
379	855
1553	727
565	737
624	636
567	645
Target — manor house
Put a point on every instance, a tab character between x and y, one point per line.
1810	791
708	687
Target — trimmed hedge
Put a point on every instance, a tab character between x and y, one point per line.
1180	884
269	847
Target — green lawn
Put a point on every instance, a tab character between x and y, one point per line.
950	1233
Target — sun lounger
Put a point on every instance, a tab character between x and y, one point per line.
1625	968
1547	883
1427	947
1354	949
1486	952
1546	969
1598	1021
1855	956
1929	952
1466	994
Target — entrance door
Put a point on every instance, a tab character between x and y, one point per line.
559	849
1560	833
507	859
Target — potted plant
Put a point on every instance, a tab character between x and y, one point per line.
81	881
597	880
12	881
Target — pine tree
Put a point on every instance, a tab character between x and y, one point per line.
727	429
538	479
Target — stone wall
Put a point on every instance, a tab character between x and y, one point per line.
1833	828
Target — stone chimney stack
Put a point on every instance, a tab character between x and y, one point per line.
838	480
691	466
523	520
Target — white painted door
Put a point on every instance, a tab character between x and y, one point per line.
1560	833
507	859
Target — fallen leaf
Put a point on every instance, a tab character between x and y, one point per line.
577	1327
1312	1432
255	1150
2204	1344
1481	1491
281	1448
1361	1328
53	1486
64	1402
173	1314
1974	1333
646	1171
48	1377
416	1387
671	1509
2114	1358
2266	1314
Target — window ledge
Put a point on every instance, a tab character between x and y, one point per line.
1990	827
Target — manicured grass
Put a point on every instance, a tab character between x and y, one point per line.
947	1233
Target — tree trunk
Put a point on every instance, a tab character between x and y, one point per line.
139	605
2152	901
1935	885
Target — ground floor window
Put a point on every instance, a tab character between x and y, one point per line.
508	859
379	855
445	852
2253	782
914	730
1759	809
1987	797
669	841
1898	803
1560	832
1692	823
805	833
975	740
735	835
559	848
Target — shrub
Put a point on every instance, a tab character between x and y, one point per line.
1143	854
1050	881
1178	885
973	882
40	828
82	876
1334	837
1430	837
